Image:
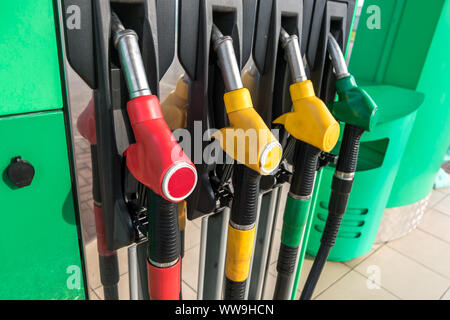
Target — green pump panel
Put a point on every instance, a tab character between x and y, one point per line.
401	55
429	49
40	238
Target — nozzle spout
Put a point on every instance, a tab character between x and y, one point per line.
337	58
293	56
126	42
223	46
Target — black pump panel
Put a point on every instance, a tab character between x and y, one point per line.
91	54
273	95
328	16
79	38
234	18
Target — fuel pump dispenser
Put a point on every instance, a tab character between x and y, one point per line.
108	260
211	199
170	176
320	17
271	98
358	111
312	124
265	151
143	171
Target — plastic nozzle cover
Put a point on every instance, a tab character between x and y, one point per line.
156	159
354	106
310	121
248	140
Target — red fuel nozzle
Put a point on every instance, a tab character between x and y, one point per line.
156	159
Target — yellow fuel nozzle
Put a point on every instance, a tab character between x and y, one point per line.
174	107
310	121
247	140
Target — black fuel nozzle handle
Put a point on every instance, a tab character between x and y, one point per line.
342	183
164	243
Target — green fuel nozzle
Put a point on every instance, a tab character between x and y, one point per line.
354	105
358	111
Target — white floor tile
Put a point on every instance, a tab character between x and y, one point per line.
402	276
190	267
436	223
354	262
332	272
443	205
446	295
191	235
354	286
188	293
435	197
426	249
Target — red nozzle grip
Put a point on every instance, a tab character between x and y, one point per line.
156	159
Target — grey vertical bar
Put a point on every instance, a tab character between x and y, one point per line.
264	234
280	202
133	273
137	271
201	259
212	255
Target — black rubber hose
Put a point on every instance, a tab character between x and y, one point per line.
348	154
306	157
302	183
182	239
287	258
109	264
164	242
109	276
314	274
340	192
234	290
245	201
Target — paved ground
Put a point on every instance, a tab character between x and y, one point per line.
414	267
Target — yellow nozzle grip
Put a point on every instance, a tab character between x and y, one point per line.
239	253
248	139
174	107
310	121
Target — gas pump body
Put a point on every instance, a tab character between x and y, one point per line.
91	53
272	99
212	195
40	235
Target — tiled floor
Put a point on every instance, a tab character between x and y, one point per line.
416	266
